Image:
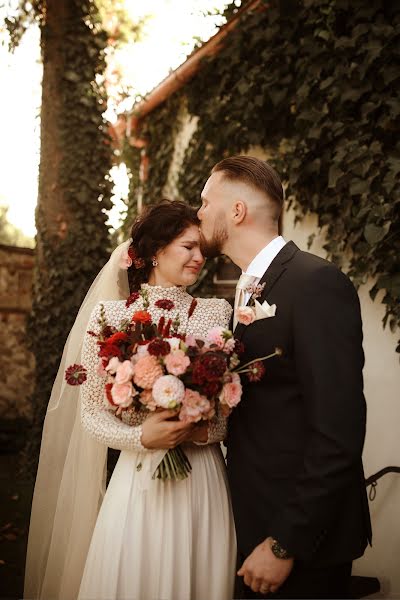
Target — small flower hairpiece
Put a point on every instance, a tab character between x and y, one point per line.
130	258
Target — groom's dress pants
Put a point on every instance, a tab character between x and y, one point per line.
304	582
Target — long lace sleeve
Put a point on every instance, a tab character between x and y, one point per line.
99	421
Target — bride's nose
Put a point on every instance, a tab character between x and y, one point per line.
198	257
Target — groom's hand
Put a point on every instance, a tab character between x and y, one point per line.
262	571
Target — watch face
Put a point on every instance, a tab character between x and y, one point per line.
278	551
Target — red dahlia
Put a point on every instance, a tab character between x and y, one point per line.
256	371
158	347
208	367
212	388
120	336
109	350
75	375
141	316
165	304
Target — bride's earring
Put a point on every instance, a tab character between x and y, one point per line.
154	262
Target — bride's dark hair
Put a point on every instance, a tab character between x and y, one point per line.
157	226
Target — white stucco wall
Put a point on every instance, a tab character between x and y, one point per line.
382	444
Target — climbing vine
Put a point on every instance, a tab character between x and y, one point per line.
315	83
72	247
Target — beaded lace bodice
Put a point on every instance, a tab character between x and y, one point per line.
97	418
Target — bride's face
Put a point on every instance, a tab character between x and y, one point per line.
180	262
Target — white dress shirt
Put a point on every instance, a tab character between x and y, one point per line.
263	259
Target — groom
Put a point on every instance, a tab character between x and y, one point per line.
296	438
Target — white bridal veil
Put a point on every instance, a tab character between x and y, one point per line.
70	481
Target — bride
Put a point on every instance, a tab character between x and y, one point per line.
143	538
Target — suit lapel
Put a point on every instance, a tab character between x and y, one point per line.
272	274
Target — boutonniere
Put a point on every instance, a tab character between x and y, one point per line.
254	311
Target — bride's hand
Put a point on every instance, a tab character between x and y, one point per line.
199	433
159	432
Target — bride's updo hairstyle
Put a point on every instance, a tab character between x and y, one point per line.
157	226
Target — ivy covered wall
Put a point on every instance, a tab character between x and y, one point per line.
316	82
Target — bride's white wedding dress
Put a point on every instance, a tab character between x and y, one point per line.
153	539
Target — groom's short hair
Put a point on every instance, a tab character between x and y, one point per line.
255	172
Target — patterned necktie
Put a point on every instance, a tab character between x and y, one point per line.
244	282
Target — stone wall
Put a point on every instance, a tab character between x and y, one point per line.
16	362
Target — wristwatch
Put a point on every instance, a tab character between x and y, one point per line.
278	551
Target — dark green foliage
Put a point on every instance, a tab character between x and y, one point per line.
68	261
316	84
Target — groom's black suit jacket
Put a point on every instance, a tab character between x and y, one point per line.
296	438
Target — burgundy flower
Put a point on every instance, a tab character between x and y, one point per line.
139	263
107	331
256	371
167	328
158	347
160	326
75	375
208	367
164	303
192	307
212	388
131	299
120	336
109	350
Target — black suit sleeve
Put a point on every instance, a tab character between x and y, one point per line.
329	359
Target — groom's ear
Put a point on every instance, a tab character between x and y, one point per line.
239	211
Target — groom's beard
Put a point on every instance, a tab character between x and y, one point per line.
213	247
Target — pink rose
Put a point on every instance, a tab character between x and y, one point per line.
121	394
147	371
245	315
125	371
231	391
176	362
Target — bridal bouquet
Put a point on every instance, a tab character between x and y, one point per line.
150	366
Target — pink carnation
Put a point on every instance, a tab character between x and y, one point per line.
231	391
190	340
245	315
125	371
147	371
216	336
195	407
168	391
146	398
177	362
121	394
